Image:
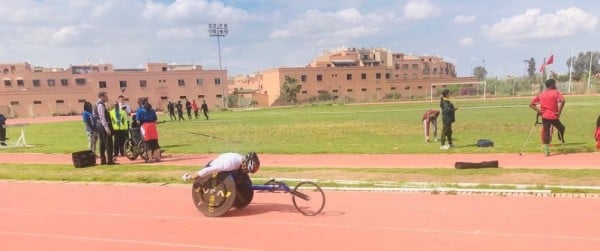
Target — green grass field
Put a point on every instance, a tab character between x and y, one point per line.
332	128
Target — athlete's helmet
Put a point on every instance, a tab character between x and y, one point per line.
252	162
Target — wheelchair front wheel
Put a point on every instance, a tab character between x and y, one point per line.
308	198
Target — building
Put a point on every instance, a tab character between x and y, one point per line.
354	75
28	91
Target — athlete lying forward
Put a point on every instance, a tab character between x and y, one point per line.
227	162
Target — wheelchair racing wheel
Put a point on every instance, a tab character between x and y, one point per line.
245	193
214	195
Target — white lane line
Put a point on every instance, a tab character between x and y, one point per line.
334	226
100	239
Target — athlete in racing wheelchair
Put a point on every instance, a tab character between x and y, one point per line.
221	178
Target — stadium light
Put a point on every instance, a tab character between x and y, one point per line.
219	30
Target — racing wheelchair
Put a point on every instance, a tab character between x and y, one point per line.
215	195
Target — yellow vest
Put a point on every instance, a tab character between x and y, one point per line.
115	123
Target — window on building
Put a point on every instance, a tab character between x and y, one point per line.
36	82
393	88
14	102
388	76
407	88
349	90
64	82
37	102
435	71
219	96
143	83
335	91
363	76
319	77
217	81
164	98
51	82
181	82
363	89
182	97
60	101
102	84
164	68
304	92
7	83
397	66
81	101
200	96
415	66
378	75
405	76
420	87
348	76
80	81
199	81
123	84
405	66
303	78
20	82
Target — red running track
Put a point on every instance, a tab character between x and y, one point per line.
58	216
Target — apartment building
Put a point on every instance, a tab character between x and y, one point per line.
28	91
354	75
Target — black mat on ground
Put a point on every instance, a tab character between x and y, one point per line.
472	165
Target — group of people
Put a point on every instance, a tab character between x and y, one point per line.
111	127
430	120
548	104
189	107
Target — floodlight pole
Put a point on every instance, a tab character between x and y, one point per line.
219	30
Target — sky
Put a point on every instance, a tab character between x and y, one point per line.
266	34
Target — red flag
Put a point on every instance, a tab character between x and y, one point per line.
543	67
550	60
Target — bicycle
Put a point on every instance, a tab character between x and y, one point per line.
216	195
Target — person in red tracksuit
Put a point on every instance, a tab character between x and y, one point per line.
598	133
430	120
551	103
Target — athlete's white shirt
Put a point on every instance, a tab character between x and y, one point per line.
224	162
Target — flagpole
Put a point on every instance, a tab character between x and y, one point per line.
590	72
542	77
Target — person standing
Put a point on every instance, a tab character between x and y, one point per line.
90	125
171	108
179	107
188	109
2	130
105	130
430	120
597	134
150	134
448	110
118	118
204	109
195	108
124	105
551	103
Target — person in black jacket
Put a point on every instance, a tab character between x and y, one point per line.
105	130
448	118
2	130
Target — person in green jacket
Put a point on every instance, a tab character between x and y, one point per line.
448	118
119	122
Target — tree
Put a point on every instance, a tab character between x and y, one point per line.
531	67
581	64
480	72
290	89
